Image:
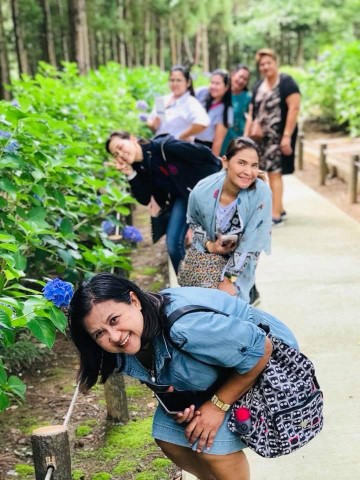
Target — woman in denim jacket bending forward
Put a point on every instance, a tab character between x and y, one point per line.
117	326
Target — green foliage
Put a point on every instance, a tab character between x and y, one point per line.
83	430
101	476
78	475
23	353
126	466
24	470
331	87
55	190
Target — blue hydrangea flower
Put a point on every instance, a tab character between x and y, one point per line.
108	227
132	234
143	117
11	147
58	292
142	105
4	134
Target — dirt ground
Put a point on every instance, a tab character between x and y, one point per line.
50	385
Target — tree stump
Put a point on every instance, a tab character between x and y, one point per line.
51	448
115	397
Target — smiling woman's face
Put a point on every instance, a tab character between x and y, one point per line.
116	327
124	149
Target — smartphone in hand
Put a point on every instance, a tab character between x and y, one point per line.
173	402
226	239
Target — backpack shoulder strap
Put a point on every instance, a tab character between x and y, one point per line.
179	312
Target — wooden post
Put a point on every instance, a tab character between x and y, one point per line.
300	157
51	448
353	178
323	169
116	400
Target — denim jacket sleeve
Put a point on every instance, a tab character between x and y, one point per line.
216	339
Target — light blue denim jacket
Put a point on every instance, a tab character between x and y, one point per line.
208	341
254	212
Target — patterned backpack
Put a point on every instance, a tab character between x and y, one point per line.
285	404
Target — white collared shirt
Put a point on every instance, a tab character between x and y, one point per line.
180	114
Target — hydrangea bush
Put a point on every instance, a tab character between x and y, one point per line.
55	193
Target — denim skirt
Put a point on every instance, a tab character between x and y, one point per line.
165	428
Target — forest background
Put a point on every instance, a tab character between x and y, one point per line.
71	71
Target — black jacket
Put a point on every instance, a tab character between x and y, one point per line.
171	168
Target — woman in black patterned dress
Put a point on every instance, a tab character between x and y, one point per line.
275	105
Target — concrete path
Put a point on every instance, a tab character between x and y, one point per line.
312	282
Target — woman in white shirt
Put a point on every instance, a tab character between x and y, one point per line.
179	114
217	101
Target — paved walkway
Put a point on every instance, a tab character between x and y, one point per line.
312	282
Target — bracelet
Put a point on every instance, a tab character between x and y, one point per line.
218	403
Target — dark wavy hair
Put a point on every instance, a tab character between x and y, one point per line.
226	99
123	135
94	361
187	75
242	143
241	66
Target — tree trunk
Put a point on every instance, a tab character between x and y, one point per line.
47	34
93	50
51	448
79	35
115	397
197	55
188	51
173	50
63	33
160	44
121	36
4	62
19	39
300	48
205	49
146	62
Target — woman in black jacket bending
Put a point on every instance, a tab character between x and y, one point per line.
166	170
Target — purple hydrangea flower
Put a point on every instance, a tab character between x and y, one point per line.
15	103
142	105
132	234
108	227
58	292
143	117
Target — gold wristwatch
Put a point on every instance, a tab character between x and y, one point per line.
223	406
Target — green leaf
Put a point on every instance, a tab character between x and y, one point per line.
4	237
9	246
20	261
60	198
37	214
43	330
3	376
17	387
58	318
66	227
8	187
5	316
66	257
4	401
3	202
